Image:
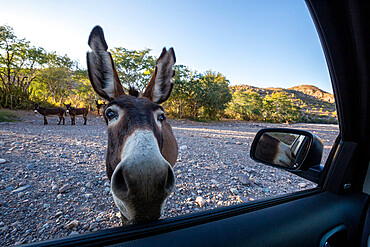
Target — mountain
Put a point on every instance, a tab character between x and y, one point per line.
316	105
314	92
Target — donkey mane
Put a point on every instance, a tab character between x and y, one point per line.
142	148
133	91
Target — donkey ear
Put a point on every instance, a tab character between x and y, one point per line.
161	84
102	73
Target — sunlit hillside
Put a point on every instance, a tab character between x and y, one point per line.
316	105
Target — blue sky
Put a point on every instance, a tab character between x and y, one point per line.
263	43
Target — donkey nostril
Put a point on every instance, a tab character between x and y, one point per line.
119	185
170	182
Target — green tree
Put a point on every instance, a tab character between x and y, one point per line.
56	80
245	105
134	68
212	93
198	96
278	108
19	62
179	102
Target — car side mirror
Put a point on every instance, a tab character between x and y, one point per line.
289	149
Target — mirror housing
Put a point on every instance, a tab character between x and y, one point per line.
288	149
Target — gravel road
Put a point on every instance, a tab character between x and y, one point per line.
53	181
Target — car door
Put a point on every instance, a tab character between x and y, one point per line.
336	213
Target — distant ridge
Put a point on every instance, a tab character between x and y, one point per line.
316	104
314	92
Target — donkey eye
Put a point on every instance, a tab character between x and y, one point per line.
110	114
161	117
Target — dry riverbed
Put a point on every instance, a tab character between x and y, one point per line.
53	182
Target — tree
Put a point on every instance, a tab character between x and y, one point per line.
213	94
198	96
245	105
178	103
19	62
278	108
56	80
134	68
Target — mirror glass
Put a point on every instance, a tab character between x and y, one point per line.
282	149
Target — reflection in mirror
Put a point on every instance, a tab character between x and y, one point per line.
283	149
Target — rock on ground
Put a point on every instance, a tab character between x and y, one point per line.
53	183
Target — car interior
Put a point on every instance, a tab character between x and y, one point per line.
336	212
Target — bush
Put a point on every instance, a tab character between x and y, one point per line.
6	116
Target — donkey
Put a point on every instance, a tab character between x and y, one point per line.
50	112
141	146
73	112
100	106
274	151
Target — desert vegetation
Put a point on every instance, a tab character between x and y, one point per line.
30	74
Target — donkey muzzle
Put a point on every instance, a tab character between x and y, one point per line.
143	179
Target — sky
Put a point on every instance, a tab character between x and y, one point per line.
262	43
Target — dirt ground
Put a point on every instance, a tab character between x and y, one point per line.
53	181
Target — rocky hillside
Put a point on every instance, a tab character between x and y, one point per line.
314	92
316	105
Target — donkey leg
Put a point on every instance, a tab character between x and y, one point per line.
63	120
85	118
60	119
45	120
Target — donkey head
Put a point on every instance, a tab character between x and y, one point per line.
37	106
68	106
141	146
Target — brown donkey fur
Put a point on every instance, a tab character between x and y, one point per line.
73	112
141	146
50	112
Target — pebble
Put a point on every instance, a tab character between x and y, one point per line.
302	185
22	183
2	161
183	148
64	188
93	226
205	172
72	224
59	213
73	233
30	166
88	195
242	199
20	189
244	179
15	224
234	191
200	201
